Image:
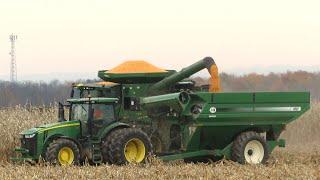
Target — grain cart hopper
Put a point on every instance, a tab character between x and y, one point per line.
149	110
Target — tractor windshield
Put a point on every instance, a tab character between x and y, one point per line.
102	112
79	112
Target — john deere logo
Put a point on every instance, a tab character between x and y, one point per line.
213	110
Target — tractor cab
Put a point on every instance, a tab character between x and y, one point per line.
93	113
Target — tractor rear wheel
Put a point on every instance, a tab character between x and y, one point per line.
128	145
250	148
62	152
105	148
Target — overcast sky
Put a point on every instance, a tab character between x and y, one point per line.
89	35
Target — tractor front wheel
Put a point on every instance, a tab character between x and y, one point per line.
62	152
128	145
250	148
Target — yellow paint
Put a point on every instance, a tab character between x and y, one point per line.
65	125
134	151
66	156
136	67
215	79
105	83
79	85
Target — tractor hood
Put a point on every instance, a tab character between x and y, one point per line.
50	126
29	131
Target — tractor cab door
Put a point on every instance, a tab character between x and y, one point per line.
102	116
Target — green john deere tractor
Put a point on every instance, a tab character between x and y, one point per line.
147	110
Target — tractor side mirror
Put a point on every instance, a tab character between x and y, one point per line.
61	113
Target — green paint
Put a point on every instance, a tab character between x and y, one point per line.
188	155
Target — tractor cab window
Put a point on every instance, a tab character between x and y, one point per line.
76	93
103	112
103	115
80	112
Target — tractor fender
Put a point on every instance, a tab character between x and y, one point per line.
49	139
111	127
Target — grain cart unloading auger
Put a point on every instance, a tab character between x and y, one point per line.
143	109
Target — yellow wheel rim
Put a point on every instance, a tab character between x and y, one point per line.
134	151
65	156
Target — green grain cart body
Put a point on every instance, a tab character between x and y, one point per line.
224	116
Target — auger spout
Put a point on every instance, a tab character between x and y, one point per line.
206	62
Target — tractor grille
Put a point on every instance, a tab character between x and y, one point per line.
30	144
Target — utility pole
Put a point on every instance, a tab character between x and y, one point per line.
13	64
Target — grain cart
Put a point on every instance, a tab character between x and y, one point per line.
147	110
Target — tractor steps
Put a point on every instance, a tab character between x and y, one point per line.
96	151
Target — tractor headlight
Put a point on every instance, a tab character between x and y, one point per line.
29	136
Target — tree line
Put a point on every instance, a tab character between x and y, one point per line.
289	81
45	94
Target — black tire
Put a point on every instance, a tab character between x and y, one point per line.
52	152
118	144
105	148
156	143
256	152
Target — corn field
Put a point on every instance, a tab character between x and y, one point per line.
299	160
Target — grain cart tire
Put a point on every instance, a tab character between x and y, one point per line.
128	145
62	152
250	148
